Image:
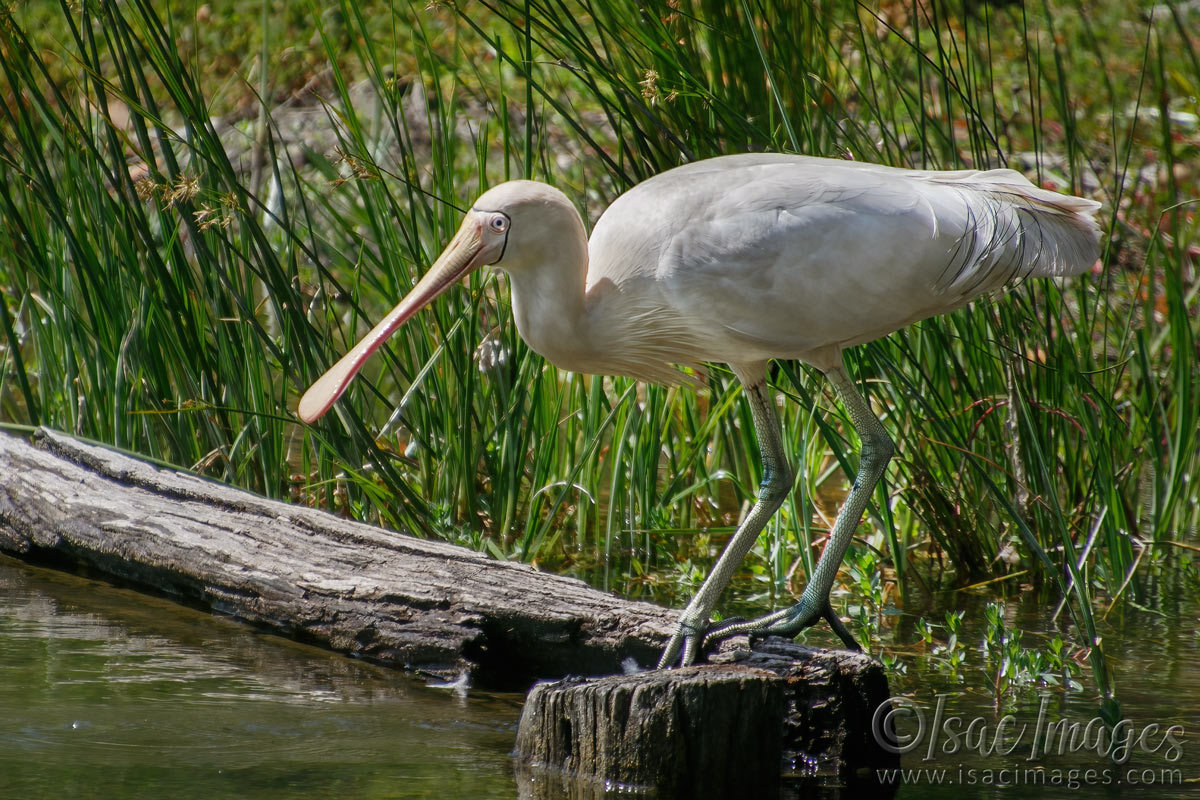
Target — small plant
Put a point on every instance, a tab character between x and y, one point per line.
1060	669
950	655
865	624
867	581
1014	666
864	567
893	664
925	631
993	634
954	621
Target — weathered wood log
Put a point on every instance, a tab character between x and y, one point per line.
769	722
305	573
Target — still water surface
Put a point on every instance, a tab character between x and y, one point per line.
107	693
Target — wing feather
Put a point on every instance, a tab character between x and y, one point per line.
767	255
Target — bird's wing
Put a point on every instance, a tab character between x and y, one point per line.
806	254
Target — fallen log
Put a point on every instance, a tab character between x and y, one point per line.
413	603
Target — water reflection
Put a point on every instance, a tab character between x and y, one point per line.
107	693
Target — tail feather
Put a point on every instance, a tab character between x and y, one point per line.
1015	230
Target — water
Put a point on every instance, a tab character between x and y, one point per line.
1156	662
107	693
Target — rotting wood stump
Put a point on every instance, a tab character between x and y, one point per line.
780	720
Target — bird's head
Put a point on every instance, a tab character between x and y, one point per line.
511	226
536	217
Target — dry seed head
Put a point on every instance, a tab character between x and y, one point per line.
186	187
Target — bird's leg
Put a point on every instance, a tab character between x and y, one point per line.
814	602
776	483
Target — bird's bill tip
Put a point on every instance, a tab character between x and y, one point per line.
322	395
465	253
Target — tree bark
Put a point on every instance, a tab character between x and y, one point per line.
699	731
418	604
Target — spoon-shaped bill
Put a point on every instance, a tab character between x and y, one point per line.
465	253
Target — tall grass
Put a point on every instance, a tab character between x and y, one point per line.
161	297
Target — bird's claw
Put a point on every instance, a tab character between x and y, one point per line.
682	646
694	640
732	626
690	640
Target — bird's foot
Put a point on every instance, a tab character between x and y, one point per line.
788	623
682	646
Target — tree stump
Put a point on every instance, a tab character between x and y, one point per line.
767	722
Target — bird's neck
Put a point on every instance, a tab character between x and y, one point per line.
550	309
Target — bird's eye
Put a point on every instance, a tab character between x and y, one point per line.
498	223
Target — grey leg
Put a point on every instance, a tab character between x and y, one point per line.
776	483
814	604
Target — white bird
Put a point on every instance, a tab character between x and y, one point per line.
741	259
